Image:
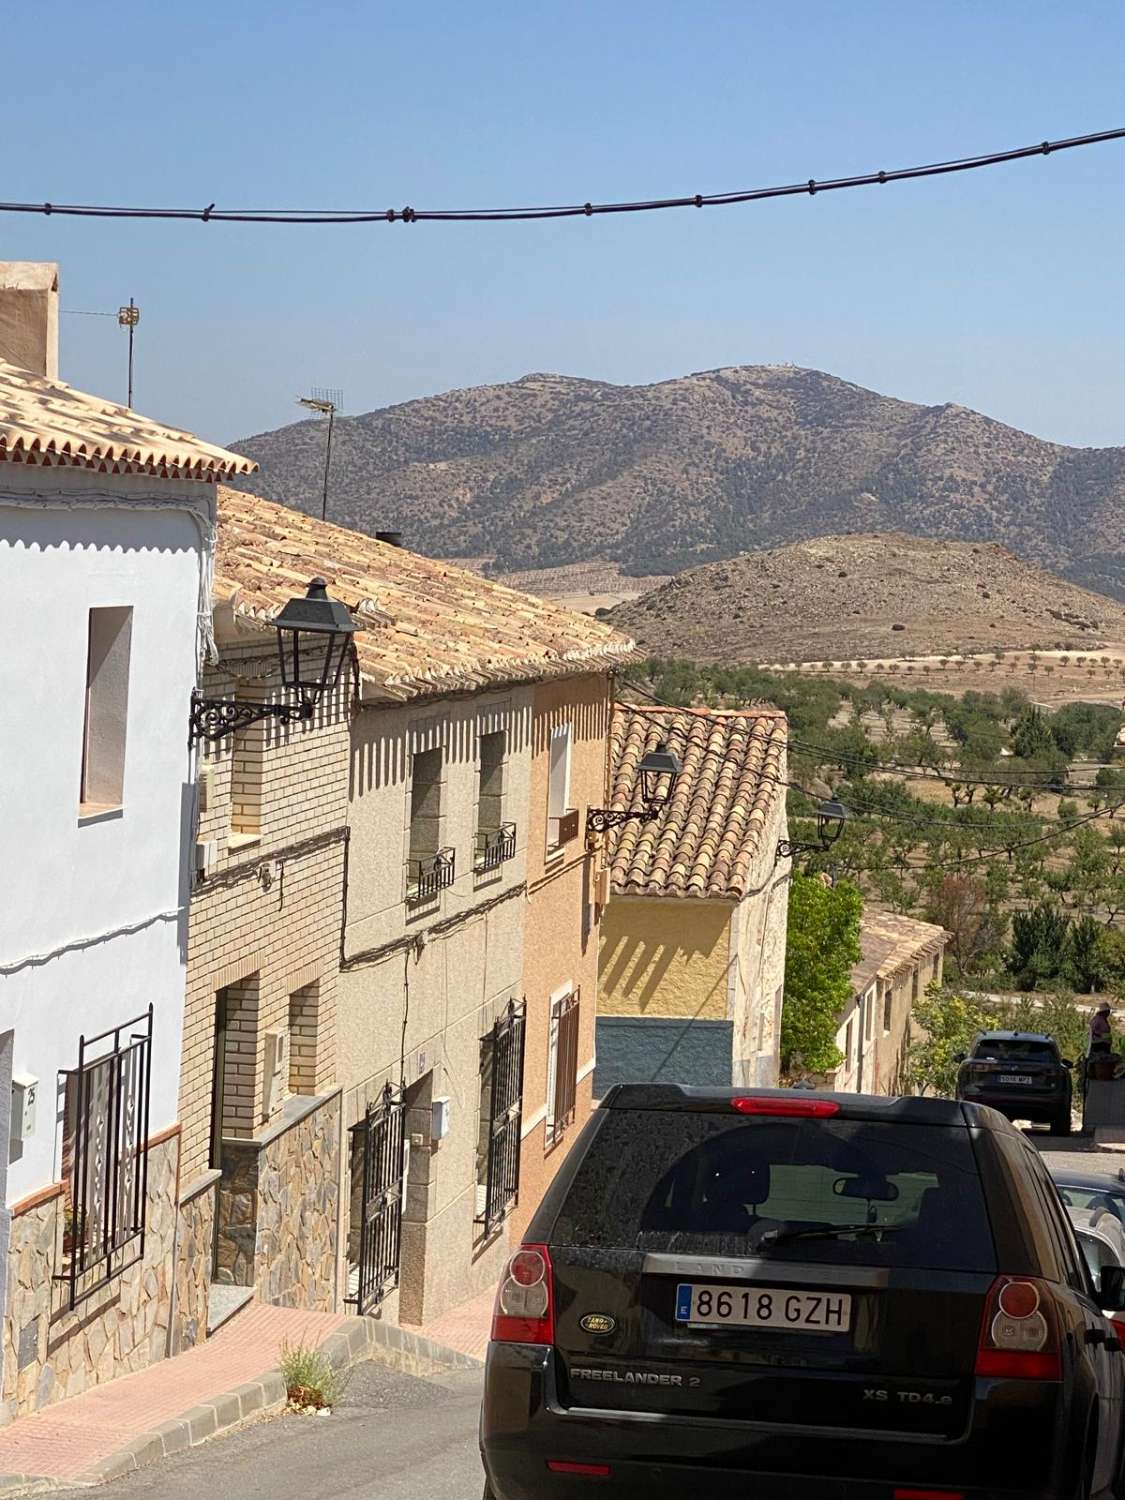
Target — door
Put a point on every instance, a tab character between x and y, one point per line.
378	1147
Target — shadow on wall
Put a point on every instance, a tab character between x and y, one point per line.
641	966
634	1049
381	752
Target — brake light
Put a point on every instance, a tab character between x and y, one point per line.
525	1304
817	1109
928	1495
585	1471
1018	1336
1119	1330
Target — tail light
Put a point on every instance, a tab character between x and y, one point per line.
525	1302
1119	1330
816	1109
582	1471
1019	1338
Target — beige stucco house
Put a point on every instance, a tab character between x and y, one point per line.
693	938
368	1038
900	958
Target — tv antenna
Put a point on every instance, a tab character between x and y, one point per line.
327	400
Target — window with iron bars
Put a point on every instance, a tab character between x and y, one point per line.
425	878
562	1064
105	1153
494	847
501	1115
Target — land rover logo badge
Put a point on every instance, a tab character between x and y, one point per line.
598	1323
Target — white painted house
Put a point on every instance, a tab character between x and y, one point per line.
106	552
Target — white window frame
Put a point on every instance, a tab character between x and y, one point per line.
555	1011
565	733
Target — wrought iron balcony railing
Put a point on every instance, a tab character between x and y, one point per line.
426	878
494	846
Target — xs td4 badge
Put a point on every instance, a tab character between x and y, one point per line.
598	1323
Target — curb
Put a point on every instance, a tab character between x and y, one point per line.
359	1339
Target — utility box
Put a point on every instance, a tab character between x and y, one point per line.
439	1127
25	1100
206	854
277	1070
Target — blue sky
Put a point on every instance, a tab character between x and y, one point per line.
1001	290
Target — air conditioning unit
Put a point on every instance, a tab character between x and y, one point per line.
277	1070
206	855
206	780
25	1096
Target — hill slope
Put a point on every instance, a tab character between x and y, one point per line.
842	597
551	470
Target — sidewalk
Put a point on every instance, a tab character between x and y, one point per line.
465	1328
160	1410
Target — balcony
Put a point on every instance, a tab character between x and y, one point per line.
427	878
562	830
494	846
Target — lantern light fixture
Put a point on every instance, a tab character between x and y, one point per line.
314	640
830	819
655	767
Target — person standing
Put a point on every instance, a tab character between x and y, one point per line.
1101	1033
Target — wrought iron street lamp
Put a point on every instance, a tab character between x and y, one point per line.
654	767
314	640
830	820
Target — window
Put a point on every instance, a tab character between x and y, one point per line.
430	868
248	756
495	840
937	965
848	1045
562	820
562	1064
869	1013
105	1138
915	983
888	1008
501	1112
109	641
704	1185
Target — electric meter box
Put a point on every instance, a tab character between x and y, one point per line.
25	1099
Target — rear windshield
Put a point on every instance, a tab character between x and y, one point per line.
1040	1052
702	1184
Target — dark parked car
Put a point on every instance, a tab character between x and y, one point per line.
775	1295
1021	1074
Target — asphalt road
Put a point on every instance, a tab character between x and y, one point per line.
392	1436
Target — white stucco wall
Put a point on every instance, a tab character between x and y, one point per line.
93	915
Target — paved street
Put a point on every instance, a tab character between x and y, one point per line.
393	1437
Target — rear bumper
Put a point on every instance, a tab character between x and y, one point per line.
1016	1447
1026	1105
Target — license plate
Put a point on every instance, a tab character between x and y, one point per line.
1014	1078
763	1307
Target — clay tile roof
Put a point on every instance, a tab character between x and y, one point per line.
425	627
888	941
707	838
46	423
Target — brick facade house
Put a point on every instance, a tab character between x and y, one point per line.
365	911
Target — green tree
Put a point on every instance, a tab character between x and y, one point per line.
823	948
947	1023
1031	735
1084	960
1038	949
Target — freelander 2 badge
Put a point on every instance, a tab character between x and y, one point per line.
598	1323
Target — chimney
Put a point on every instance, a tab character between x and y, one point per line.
392	538
29	315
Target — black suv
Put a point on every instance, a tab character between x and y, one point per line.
1021	1074
774	1294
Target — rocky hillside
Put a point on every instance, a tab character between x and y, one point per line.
867	596
551	470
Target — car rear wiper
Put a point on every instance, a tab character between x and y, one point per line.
825	1231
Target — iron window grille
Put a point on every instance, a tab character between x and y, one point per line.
427	877
383	1142
503	1051
564	1048
107	1110
494	846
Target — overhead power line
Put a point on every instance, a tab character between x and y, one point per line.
212	214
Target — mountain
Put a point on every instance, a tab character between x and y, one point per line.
550	470
868	596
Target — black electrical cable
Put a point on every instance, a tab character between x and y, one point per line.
209	214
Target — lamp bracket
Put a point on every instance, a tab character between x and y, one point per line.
790	848
601	819
214	718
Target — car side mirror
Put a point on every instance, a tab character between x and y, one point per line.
1112	1289
959	1057
1066	1062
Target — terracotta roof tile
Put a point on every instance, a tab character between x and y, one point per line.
888	940
426	628
706	839
46	423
